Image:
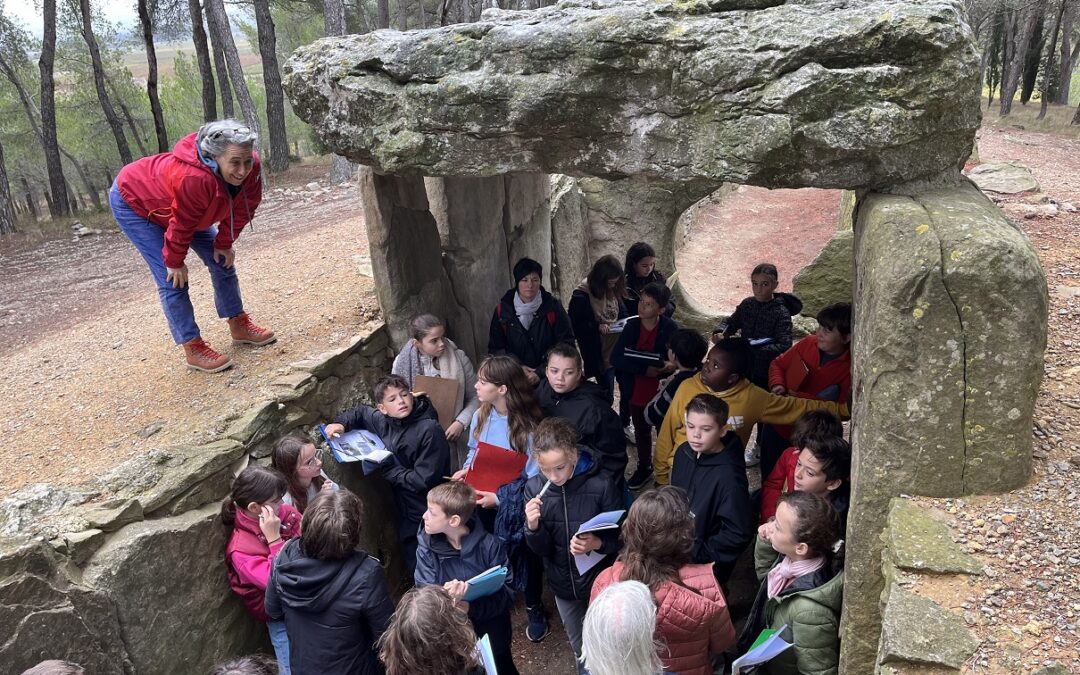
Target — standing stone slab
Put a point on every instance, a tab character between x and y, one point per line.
945	370
821	93
918	631
828	278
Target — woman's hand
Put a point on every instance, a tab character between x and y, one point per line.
226	255
532	514
487	499
269	523
459	474
177	277
457	589
584	543
779	390
454	430
334	430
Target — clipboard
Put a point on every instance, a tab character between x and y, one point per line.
442	392
795	374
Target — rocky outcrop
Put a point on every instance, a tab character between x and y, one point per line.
822	93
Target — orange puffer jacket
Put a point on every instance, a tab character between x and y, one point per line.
692	621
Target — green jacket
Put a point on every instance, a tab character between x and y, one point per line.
810	607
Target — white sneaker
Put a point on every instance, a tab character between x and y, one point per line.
752	455
628	430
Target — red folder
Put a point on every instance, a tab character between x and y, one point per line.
494	467
796	374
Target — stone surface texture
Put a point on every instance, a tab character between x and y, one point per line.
919	541
1008	178
829	277
821	93
918	631
943	396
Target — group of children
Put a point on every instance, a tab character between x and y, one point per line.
293	557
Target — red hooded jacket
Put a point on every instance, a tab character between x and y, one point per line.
179	193
249	557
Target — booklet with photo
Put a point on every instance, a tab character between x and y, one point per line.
486	583
609	520
357	445
620	325
768	645
487	658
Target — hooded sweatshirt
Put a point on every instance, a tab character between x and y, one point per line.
587	408
335	611
747	405
181	194
719	495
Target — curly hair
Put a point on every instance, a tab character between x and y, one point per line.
428	634
658	537
523	410
817	524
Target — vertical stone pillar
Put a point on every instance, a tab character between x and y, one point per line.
948	335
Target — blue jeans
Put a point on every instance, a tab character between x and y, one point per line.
280	639
149	240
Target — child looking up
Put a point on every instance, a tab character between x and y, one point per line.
686	351
640	360
409	427
429	635
594	306
430	352
725	375
709	466
563	393
258	526
824	361
298	459
332	596
454	547
800	565
577	493
824	468
692	619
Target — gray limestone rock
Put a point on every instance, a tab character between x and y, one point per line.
918	541
1008	178
824	93
918	631
828	278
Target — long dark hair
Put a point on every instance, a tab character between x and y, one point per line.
658	537
604	270
257	484
636	252
817	524
285	457
522	409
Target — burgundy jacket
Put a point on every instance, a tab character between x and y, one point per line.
249	558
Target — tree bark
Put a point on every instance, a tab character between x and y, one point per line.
1050	60
384	13
152	77
1020	27
202	58
99	84
58	206
222	70
7	209
1067	59
1032	61
128	117
232	60
402	15
275	95
87	183
341	169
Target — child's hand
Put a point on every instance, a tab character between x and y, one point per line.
532	514
334	430
530	375
766	530
486	500
457	589
454	430
584	543
327	486
604	328
779	390
270	524
459	474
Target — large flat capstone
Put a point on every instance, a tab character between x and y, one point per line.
823	93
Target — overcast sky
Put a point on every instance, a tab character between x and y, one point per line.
29	12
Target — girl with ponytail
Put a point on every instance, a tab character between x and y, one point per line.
692	620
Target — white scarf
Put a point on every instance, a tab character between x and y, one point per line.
526	311
781	576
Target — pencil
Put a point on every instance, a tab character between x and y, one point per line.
544	489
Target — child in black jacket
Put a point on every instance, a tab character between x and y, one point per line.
409	426
709	466
575	493
686	351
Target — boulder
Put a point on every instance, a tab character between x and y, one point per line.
817	93
918	541
28	506
828	278
918	631
161	603
1007	178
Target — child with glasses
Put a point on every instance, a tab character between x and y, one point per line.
301	462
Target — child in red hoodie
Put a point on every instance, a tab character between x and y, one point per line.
258	525
807	434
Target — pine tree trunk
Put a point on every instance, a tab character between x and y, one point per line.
99	84
7	209
402	15
1020	29
220	67
1050	61
341	169
58	206
152	77
232	60
275	95
126	112
384	13
202	58
87	183
1069	53
1032	61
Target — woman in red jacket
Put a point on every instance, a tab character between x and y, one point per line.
199	196
692	620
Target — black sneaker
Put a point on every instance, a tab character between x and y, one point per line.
537	629
640	478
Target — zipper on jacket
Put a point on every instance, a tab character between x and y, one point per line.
570	557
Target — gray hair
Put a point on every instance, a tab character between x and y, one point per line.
214	137
618	636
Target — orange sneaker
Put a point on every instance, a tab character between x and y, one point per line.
202	357
245	332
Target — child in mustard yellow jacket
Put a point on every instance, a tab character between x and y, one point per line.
726	374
